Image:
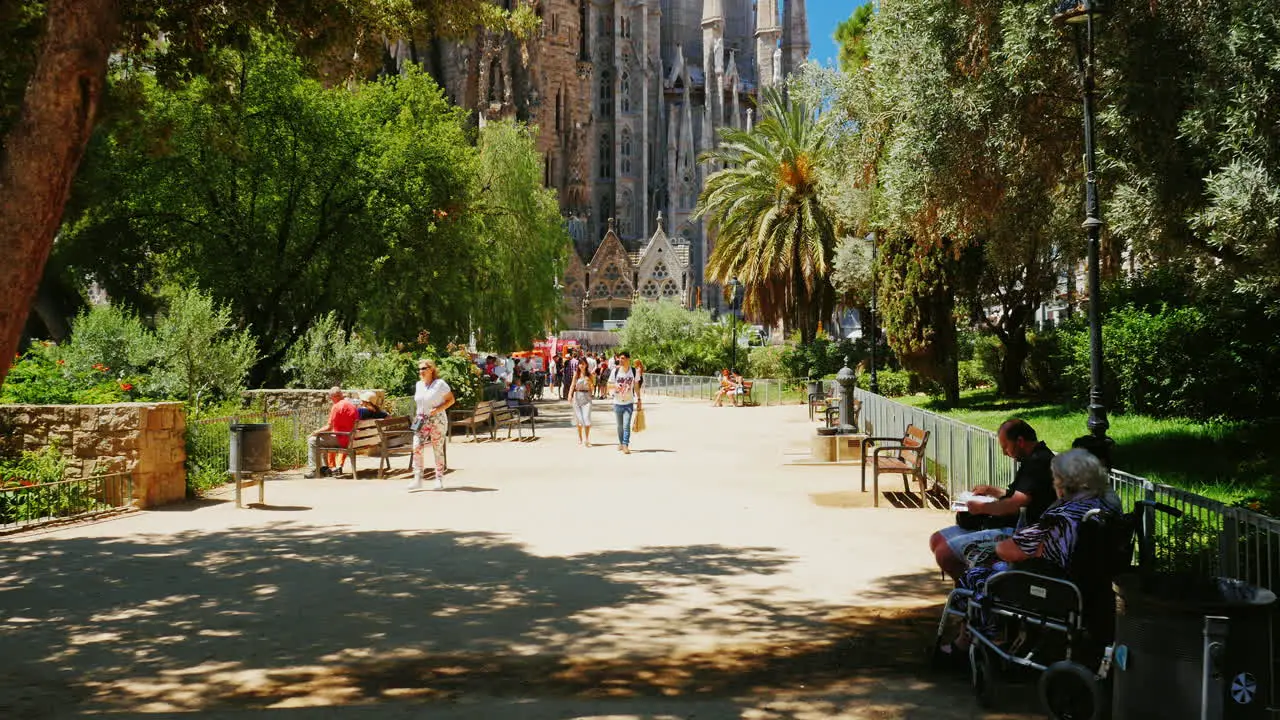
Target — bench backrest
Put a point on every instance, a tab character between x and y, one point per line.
484	409
394	430
915	439
365	434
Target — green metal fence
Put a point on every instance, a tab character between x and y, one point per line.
25	505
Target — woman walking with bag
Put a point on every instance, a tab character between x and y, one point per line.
582	387
432	398
626	397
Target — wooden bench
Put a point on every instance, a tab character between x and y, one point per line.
397	439
510	417
473	419
905	458
832	414
364	439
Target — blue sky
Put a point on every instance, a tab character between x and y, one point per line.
824	15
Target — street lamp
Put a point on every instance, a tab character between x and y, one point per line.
871	320
1080	14
733	308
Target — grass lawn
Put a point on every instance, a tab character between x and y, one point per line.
1223	461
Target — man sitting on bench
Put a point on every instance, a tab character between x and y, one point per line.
342	418
988	521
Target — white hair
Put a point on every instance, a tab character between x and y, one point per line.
1079	471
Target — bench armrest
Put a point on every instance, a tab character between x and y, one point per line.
870	440
334	433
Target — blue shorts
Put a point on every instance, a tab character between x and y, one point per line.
975	547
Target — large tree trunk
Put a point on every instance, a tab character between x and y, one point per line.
43	150
1015	356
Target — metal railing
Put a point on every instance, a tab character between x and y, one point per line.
25	504
209	439
1210	539
764	391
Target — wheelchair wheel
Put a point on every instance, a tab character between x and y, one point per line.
983	674
1069	691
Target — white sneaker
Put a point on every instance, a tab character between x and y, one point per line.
439	483
416	483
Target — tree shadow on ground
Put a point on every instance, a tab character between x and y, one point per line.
293	613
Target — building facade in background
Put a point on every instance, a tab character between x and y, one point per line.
626	94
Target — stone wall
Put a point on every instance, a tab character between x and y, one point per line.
147	440
276	400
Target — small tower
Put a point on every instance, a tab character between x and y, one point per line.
768	31
795	37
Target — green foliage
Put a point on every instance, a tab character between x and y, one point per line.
850	35
386	369
325	355
773	230
973	375
893	383
112	336
202	354
31	488
767	361
821	357
671	339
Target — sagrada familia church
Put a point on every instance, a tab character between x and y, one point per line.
626	94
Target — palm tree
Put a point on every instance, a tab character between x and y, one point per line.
772	231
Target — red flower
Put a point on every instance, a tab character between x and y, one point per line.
126	387
62	362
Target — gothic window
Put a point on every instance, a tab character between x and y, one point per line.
559	100
649	289
611	272
621	290
606	92
669	289
600	291
624	92
624	28
625	224
606	156
624	150
606	208
660	271
495	78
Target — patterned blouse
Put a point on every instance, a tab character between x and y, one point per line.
1056	533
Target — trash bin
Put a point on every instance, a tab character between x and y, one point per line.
815	388
1159	658
250	447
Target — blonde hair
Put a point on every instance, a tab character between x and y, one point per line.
435	369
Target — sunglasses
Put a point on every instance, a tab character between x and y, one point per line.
424	367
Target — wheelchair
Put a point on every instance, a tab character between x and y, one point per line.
1034	618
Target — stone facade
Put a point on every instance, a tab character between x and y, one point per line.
147	440
625	94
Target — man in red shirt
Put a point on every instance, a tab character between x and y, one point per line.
342	419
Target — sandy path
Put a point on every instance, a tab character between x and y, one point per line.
698	577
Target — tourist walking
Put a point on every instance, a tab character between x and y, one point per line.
626	397
432	398
583	385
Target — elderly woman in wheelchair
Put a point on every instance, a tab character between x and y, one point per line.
1045	603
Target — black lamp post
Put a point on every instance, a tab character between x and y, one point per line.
733	311
1080	14
875	379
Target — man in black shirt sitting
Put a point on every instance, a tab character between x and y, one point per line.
956	548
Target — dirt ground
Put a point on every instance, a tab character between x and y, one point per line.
702	576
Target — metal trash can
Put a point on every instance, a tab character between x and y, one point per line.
250	448
1168	626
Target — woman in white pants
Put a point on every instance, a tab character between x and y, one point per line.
432	397
581	389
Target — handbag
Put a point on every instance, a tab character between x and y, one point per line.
417	423
637	423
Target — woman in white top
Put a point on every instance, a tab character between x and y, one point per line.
432	398
581	387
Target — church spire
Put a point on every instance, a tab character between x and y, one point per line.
795	36
767	33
